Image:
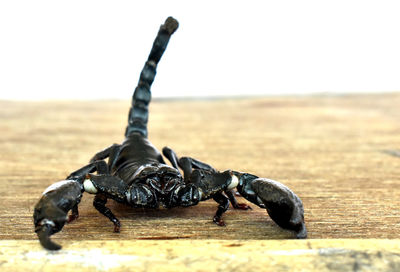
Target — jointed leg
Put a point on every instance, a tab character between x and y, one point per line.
105	153
99	203
171	156
80	174
187	164
184	163
196	164
235	204
74	214
223	207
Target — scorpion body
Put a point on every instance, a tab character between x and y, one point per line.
137	175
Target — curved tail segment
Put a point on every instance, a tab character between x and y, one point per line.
139	113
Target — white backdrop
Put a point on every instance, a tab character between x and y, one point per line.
96	49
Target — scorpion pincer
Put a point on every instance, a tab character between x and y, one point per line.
136	174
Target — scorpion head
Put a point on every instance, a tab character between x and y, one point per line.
164	181
164	185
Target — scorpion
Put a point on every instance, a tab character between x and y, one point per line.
136	174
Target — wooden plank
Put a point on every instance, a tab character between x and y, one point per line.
206	255
337	153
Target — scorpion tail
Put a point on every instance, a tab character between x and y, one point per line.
139	113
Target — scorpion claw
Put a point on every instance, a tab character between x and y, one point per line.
44	233
302	232
50	214
283	206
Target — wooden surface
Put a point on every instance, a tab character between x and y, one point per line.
341	155
204	255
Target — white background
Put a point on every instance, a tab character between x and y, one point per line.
96	49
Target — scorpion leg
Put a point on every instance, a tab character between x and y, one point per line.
187	164
223	202
235	203
74	214
171	156
99	203
107	186
80	174
105	153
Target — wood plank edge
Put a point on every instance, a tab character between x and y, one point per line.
204	255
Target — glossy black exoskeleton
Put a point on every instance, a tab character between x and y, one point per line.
137	175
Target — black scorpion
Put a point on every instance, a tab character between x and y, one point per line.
137	175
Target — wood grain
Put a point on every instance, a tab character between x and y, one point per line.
337	153
205	255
